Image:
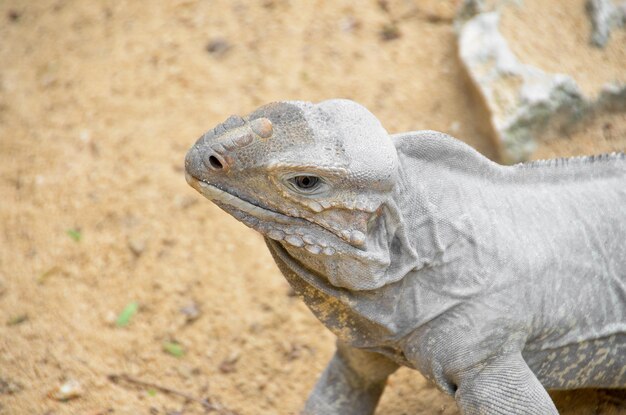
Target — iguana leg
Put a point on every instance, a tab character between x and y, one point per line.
504	386
351	384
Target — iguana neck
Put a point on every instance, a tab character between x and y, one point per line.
430	218
439	179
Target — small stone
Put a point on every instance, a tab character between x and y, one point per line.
70	389
329	250
229	365
137	246
110	318
218	47
389	31
13	15
191	312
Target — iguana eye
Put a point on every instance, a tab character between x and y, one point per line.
307	185
305	182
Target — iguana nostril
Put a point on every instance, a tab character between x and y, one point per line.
215	163
213	160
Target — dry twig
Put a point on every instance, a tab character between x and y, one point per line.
204	402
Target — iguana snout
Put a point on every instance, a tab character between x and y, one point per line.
217	149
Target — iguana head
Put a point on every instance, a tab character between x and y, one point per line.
312	177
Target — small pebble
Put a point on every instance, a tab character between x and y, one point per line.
218	47
389	32
229	365
137	246
69	390
13	15
191	312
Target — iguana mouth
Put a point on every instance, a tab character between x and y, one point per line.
215	194
293	230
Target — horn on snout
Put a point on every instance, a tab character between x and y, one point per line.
262	127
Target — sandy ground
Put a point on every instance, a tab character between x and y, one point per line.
99	102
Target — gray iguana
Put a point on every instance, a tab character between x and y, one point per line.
495	282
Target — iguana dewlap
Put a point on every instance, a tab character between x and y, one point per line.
495	282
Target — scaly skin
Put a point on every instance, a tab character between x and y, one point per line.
494	282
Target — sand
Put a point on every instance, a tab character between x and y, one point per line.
99	102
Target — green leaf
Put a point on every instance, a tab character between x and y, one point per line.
18	319
152	392
127	313
174	349
74	234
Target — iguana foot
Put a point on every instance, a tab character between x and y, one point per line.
504	386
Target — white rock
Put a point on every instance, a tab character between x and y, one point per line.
520	97
605	15
523	99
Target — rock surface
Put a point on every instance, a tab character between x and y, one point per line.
523	100
605	16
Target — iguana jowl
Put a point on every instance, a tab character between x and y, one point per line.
495	282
